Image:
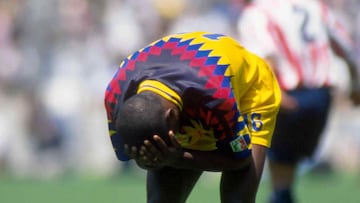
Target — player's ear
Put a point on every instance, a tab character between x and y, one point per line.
172	119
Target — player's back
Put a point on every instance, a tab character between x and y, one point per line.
319	24
300	32
276	34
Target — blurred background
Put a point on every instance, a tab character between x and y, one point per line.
57	56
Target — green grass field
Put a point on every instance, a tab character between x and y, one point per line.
130	188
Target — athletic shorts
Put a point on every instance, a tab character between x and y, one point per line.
297	133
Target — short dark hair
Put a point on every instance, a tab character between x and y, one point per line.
141	117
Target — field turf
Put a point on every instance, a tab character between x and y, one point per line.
130	188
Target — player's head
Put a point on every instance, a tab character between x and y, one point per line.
142	116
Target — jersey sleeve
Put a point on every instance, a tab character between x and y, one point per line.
259	97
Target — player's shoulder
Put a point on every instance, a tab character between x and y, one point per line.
202	40
196	35
311	5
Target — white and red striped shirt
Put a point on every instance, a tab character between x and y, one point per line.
296	33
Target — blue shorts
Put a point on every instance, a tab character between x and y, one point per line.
297	133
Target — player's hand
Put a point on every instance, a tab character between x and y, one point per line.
288	103
355	97
160	153
141	160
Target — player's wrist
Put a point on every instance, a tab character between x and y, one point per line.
180	158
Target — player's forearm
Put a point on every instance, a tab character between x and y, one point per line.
209	161
354	76
349	57
259	155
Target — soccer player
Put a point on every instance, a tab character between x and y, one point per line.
296	39
189	103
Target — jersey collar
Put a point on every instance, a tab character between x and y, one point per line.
162	90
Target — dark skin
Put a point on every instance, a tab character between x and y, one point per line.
353	72
240	178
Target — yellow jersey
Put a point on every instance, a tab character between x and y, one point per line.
228	97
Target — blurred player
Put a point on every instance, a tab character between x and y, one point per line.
297	38
189	103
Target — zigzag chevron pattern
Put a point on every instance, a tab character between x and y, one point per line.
206	65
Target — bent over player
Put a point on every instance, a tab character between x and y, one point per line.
189	103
